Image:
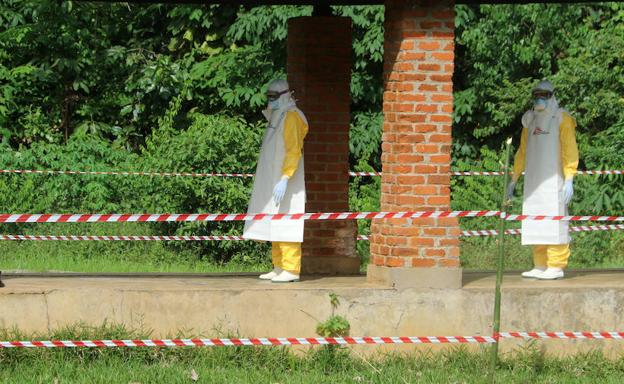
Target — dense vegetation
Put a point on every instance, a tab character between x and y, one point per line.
96	86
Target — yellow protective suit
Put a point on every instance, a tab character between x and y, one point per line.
553	255
287	256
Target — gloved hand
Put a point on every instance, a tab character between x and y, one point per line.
568	191
280	190
510	190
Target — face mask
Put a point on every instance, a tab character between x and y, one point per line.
274	104
539	104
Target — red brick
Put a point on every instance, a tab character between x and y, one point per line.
441	78
440	138
420	263
439	200
410	201
429	45
449	242
429	67
426	148
425	190
429	108
440	159
449	263
432	252
414	56
404	252
395	261
413	118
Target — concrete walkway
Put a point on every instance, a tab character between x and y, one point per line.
32	282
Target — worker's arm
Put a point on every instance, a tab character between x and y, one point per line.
520	158
569	149
295	130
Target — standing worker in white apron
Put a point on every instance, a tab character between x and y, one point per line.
279	185
549	156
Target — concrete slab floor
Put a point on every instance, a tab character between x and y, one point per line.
23	282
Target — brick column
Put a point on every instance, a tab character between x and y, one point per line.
418	106
319	71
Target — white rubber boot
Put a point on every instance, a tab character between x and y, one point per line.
285	277
268	276
534	273
551	274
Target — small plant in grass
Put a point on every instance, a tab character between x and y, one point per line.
335	325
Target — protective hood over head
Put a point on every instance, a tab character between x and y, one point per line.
543	96
280	100
545	112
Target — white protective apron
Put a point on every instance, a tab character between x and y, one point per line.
543	181
268	174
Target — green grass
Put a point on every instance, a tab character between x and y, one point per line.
110	257
281	365
589	250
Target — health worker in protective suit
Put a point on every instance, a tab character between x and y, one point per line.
279	185
549	156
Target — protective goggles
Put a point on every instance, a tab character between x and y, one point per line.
272	96
542	95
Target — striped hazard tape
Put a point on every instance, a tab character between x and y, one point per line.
248	342
176	217
246	175
283	341
563	335
128	173
562	218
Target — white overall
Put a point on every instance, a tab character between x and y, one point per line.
268	174
544	180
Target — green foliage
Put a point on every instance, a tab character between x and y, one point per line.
211	143
335	325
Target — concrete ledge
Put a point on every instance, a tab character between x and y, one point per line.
246	306
330	265
404	278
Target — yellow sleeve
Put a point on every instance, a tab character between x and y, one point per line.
520	158
569	149
295	130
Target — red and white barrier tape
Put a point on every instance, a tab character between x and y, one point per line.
119	238
282	341
562	218
129	173
487	232
213	174
582	228
176	217
248	342
562	335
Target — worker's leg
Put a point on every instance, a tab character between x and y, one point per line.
276	255
558	255
276	258
539	262
291	257
540	256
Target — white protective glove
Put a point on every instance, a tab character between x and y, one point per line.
568	191
510	190
280	190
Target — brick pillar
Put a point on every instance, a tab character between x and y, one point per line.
418	106
319	71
